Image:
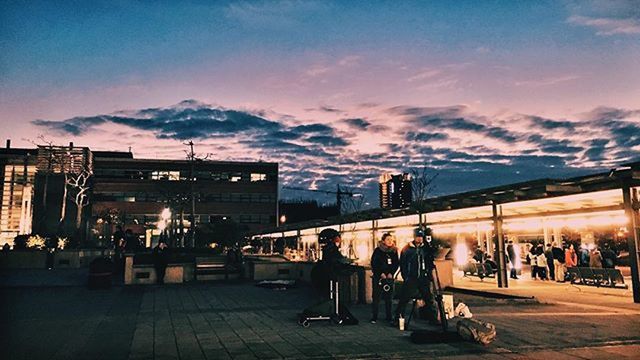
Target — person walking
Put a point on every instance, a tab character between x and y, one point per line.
533	262
384	263
548	253
511	251
416	264
160	261
558	262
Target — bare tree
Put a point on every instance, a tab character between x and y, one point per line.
75	166
79	184
422	186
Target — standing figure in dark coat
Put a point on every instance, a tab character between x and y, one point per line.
416	264
384	263
160	261
511	251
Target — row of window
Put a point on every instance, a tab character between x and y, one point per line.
175	175
213	197
204	218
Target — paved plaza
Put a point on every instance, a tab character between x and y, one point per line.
242	321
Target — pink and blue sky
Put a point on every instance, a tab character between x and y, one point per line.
483	92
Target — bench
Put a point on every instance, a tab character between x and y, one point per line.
596	277
215	268
477	269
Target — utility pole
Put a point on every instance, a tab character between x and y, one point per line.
192	217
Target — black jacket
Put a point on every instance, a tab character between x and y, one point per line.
416	262
511	252
558	254
384	262
333	262
160	257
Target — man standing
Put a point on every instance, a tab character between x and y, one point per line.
160	261
558	262
548	253
511	251
416	264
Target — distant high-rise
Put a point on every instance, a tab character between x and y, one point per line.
395	191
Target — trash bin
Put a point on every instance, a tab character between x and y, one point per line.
100	271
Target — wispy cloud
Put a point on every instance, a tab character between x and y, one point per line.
608	26
547	81
607	17
453	140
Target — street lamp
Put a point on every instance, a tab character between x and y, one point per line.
283	219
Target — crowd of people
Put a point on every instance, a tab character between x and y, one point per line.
549	262
552	263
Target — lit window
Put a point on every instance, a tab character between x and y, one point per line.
165	175
258	177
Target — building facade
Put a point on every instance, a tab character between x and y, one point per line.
151	197
17	177
395	191
154	196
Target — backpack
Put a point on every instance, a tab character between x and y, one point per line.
477	331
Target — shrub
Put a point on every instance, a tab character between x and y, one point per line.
20	242
36	242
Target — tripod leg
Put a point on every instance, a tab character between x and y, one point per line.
439	299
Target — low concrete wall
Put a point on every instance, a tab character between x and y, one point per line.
262	270
146	274
23	259
62	259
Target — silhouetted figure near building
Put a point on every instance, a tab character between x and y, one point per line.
416	263
548	253
6	247
131	241
608	257
511	251
558	262
160	261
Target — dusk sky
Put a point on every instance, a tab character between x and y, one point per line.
483	92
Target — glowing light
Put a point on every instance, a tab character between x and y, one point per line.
461	253
162	225
516	248
166	214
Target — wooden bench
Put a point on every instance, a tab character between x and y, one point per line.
477	269
596	277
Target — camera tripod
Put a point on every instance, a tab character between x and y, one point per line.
438	297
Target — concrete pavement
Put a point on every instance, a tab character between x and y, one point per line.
241	321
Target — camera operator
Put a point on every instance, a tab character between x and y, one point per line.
416	265
384	263
332	263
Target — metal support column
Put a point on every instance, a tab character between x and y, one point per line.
499	246
630	197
